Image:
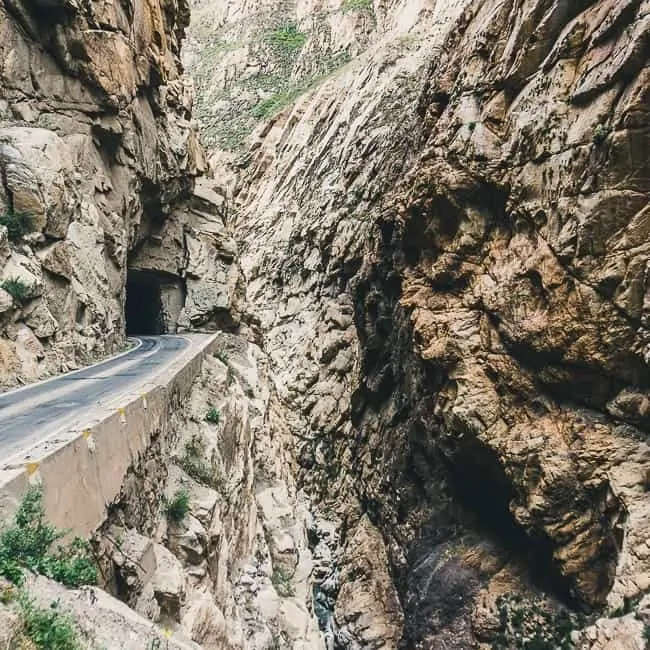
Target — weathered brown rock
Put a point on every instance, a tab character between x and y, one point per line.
445	246
97	150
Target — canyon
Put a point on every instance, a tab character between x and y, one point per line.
420	229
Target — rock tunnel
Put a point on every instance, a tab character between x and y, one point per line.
153	302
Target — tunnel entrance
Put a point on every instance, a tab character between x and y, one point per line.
144	306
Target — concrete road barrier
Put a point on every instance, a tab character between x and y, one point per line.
82	470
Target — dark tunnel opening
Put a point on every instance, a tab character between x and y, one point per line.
144	307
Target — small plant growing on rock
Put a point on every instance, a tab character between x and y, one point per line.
48	629
28	542
282	582
18	224
178	506
8	593
212	415
194	462
600	134
18	289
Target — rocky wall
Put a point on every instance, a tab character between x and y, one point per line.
444	250
97	151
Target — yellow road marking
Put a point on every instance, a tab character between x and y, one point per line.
32	468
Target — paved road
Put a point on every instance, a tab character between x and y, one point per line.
30	414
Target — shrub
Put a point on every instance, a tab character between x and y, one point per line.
18	224
532	625
48	629
282	582
178	506
17	288
27	545
212	415
600	134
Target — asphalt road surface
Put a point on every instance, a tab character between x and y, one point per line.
32	413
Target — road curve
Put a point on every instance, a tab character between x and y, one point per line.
30	414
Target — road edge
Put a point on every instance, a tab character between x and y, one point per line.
70	373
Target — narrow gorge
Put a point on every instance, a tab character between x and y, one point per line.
420	231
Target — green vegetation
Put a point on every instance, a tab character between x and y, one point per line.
287	38
269	107
357	5
600	134
195	463
289	93
8	593
282	582
27	544
49	629
17	288
532	625
212	415
228	115
178	506
222	355
202	470
18	224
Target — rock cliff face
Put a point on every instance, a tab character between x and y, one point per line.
430	430
97	153
444	245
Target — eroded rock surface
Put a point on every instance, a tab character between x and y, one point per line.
444	244
430	430
98	158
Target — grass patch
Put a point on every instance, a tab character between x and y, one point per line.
230	114
288	94
212	415
18	289
287	38
27	544
178	506
357	5
269	107
282	582
18	224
